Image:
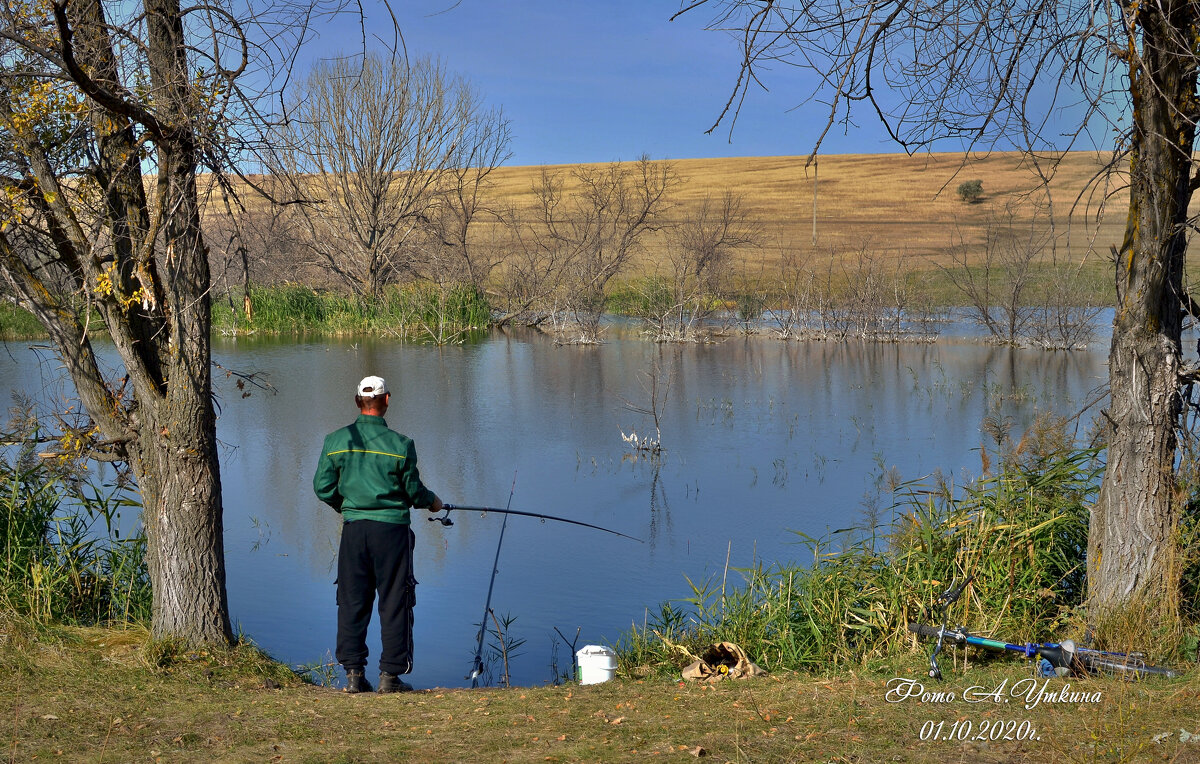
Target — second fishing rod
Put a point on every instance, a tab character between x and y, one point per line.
477	667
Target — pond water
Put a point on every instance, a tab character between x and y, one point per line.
761	438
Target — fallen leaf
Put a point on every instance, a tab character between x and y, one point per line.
618	720
50	717
698	751
561	737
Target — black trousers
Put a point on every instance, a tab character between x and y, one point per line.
376	557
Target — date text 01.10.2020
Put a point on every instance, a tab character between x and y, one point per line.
965	729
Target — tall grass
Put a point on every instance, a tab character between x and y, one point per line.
1021	533
18	323
418	311
61	555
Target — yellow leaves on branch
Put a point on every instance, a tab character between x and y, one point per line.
13	206
36	104
106	286
72	444
32	20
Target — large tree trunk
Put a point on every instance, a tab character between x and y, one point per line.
181	508
1132	544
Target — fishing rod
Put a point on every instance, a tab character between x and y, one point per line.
445	519
477	665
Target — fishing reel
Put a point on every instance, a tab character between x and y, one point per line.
444	519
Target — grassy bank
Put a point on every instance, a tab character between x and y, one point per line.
96	695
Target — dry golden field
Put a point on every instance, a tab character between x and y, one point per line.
894	206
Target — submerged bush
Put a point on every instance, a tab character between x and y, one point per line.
61	555
1022	535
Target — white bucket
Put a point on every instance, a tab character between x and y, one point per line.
596	664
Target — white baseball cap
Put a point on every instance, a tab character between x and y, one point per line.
371	387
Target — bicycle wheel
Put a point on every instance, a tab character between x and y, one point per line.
1121	665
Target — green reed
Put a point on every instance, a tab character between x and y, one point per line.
62	558
1022	534
17	323
418	311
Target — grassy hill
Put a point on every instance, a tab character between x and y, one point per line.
895	206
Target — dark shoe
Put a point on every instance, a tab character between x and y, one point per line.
356	682
392	683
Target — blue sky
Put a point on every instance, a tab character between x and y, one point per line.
601	80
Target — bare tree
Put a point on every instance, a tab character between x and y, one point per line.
1066	314
994	73
871	300
614	210
591	232
384	151
449	251
793	309
698	266
1016	291
533	266
254	242
998	285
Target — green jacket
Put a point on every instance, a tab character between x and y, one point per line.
369	472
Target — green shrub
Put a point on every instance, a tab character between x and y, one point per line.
750	307
970	191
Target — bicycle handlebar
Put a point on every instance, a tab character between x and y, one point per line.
950	596
922	630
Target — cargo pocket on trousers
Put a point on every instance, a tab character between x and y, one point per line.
410	580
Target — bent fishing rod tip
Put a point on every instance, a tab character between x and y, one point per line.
445	520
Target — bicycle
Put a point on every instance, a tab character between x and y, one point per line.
1054	658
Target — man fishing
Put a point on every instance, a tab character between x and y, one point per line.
368	473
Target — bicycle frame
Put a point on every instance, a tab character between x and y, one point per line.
1063	658
1062	655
